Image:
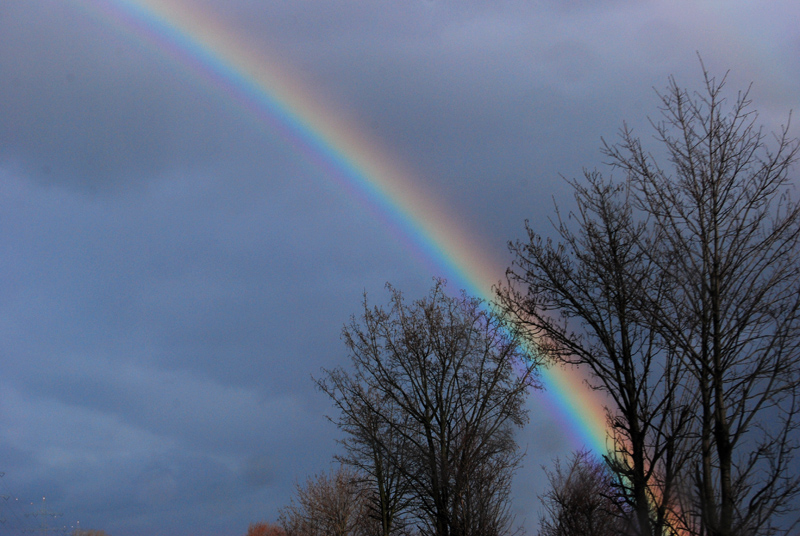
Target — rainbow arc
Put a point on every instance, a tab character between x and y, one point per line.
269	94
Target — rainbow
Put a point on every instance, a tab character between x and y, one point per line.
274	99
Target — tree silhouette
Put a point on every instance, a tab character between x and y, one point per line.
680	289
435	392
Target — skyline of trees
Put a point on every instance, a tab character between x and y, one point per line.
677	285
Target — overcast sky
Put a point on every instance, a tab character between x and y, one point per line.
173	272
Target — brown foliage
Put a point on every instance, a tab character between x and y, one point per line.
265	529
327	505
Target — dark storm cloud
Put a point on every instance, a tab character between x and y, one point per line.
84	109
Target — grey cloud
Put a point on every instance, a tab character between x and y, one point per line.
83	114
259	470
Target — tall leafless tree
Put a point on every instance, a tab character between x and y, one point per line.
680	290
445	381
373	447
728	250
580	303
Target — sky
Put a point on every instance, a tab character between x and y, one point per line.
175	269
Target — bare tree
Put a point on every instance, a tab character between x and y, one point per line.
327	505
582	500
680	290
484	508
374	448
580	303
728	249
445	381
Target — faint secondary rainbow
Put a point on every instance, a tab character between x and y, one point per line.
270	95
